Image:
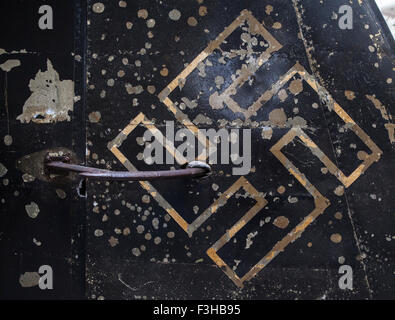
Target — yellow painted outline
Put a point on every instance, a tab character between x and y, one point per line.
376	152
321	203
260	204
245	15
114	145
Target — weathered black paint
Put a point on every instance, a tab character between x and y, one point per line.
89	266
60	223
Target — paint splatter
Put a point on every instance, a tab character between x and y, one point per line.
282	94
202	11
151	23
136	252
192	21
281	189
164	72
267	133
32	210
362	155
8	140
338	215
350	95
296	86
175	15
98	7
142	13
281	222
339	191
277	117
94	117
277	25
336	238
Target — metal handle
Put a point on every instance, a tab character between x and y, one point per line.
54	165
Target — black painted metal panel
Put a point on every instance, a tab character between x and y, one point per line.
55	236
136	250
319	107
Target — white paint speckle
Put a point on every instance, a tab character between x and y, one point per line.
175	15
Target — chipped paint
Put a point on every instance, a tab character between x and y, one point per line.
51	100
32	210
29	279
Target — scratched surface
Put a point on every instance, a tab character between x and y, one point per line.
319	192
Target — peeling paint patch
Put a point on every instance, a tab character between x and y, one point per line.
379	106
51	99
202	119
22	51
10	64
249	241
385	115
133	90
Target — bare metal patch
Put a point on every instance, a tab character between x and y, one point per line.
51	99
